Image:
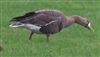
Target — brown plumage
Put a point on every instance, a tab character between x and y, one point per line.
47	22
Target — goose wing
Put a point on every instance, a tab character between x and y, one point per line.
41	19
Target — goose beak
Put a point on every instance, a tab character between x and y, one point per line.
91	29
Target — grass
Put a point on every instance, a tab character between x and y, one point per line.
74	41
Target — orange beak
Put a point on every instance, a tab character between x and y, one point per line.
91	29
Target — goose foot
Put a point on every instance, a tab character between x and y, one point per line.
47	38
30	35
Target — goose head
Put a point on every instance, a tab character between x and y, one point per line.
87	24
84	22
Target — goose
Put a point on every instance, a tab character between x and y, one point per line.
47	22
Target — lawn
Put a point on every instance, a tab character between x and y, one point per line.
74	41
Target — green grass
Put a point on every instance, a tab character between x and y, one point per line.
74	41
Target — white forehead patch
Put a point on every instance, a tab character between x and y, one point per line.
89	24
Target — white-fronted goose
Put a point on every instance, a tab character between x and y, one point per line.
47	22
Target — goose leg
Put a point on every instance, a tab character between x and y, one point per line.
30	35
47	37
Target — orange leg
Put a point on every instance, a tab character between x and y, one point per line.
47	37
30	35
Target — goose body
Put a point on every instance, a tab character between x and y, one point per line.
46	21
